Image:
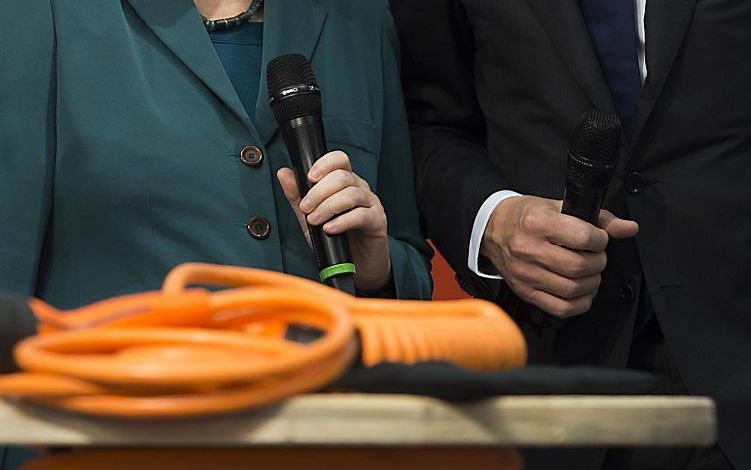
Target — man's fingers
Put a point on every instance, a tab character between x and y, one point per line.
563	287
616	227
551	260
568	231
561	308
569	263
332	161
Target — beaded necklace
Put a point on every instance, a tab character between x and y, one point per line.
235	21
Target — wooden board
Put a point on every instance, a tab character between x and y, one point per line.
284	458
390	420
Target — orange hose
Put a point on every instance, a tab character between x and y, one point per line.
184	351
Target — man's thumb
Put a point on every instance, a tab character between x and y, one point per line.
617	228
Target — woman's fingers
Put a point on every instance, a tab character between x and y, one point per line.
288	183
343	201
336	160
329	185
368	220
331	174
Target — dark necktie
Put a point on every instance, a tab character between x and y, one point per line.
612	26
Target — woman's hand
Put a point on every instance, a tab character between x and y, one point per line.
342	202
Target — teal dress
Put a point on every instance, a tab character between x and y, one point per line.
241	52
121	137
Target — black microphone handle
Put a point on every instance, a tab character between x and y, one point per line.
584	204
306	142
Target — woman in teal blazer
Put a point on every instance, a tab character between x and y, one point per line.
125	150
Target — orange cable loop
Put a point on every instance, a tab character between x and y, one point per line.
186	351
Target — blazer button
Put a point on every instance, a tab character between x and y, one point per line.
634	182
626	292
251	156
259	228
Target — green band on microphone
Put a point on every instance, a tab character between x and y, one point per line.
337	269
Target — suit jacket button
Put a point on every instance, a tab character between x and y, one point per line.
251	156
626	292
634	182
259	228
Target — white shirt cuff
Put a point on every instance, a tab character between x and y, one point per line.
478	230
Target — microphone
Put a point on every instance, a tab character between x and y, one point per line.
592	159
295	99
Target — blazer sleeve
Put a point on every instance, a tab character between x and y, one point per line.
453	173
27	138
410	253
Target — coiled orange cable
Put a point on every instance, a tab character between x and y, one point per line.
188	351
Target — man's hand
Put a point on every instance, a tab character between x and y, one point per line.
342	202
550	260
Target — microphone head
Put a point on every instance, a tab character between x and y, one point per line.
593	156
293	89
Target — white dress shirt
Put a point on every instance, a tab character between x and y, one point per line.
486	210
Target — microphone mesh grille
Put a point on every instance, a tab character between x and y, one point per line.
289	70
593	155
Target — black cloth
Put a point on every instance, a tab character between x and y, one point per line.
17	321
650	353
494	91
448	382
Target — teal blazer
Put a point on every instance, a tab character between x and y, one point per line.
120	138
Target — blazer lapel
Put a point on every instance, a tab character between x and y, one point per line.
666	22
178	25
292	26
564	24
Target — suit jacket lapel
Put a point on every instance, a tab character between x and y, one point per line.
564	24
292	26
666	22
178	25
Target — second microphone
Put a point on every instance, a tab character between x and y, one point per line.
295	99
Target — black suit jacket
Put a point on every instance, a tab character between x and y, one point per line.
495	89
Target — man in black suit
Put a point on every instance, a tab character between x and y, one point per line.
495	89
